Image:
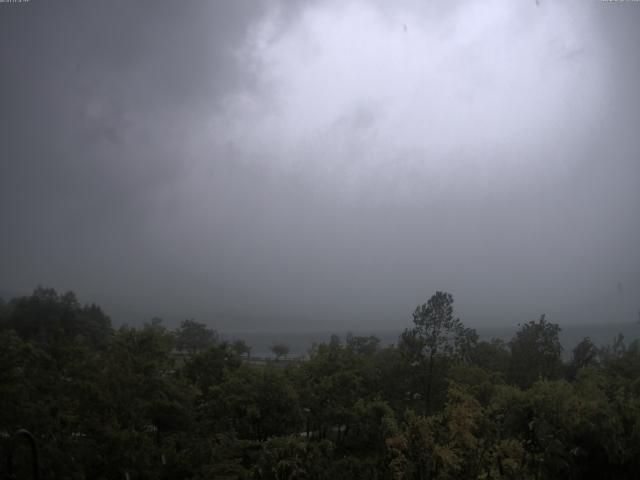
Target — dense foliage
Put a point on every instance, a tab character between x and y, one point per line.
149	403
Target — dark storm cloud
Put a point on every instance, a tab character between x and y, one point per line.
317	164
97	100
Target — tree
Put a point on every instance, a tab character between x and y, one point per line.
536	352
293	458
366	346
194	337
440	333
257	403
241	348
584	354
437	335
211	367
135	403
49	318
493	356
280	350
443	446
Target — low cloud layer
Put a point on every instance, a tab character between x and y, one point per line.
326	164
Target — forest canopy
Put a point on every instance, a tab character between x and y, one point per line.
154	403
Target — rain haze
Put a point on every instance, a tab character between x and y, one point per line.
325	164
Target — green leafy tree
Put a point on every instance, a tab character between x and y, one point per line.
241	348
49	318
583	355
493	356
136	405
211	367
440	446
193	337
536	352
255	403
293	458
102	402
436	338
331	383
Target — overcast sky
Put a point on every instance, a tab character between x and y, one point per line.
323	164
